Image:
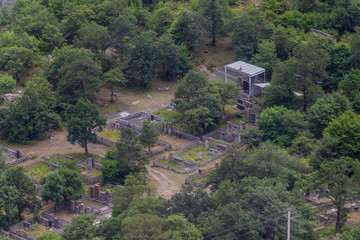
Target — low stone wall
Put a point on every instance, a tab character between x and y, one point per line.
16	156
193	182
105	141
162	148
90	179
12	235
156	163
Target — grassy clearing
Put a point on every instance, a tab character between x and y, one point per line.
134	100
168	115
94	173
83	156
38	171
172	164
192	153
202	180
111	134
220	55
61	160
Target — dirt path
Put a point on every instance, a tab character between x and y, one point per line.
167	182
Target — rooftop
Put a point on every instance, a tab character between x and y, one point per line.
246	68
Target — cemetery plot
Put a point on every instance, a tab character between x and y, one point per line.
173	140
172	163
64	214
35	231
38	171
110	134
198	153
168	115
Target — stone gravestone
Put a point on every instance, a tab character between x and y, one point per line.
206	144
248	115
87	211
77	210
171	157
169	128
213	152
102	197
253	117
200	155
216	165
17	155
237	138
107	196
90	165
200	173
97	192
81	208
27	226
56	222
148	113
242	126
72	206
92	192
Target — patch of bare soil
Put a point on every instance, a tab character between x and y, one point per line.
173	140
64	214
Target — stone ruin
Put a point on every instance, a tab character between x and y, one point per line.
135	121
232	133
248	108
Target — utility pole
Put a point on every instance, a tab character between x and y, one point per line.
288	226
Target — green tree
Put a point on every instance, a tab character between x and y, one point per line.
340	178
143	60
93	36
266	57
81	228
8	197
198	119
213	14
16	60
248	30
186	29
282	125
300	73
73	183
189	87
134	187
352	235
190	202
355	47
112	79
161	20
75	73
346	129
29	117
148	135
82	118
125	158
324	110
7	84
26	191
350	85
50	236
53	188
173	59
325	150
223	91
121	29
